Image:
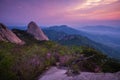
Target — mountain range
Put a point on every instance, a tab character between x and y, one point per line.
69	36
53	46
65	35
104	34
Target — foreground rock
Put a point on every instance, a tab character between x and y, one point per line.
34	30
59	74
8	35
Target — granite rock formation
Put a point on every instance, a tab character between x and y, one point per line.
8	36
36	32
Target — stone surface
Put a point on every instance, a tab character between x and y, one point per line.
59	74
8	35
34	30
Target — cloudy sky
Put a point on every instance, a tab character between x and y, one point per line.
56	12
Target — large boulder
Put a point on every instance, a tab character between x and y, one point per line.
35	31
8	35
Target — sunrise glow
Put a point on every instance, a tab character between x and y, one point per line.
52	12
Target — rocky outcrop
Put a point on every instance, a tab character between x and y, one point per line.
35	31
60	74
8	35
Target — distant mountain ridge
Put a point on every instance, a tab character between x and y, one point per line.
17	27
68	36
110	38
101	27
104	34
66	29
62	34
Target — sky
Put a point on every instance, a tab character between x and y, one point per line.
77	13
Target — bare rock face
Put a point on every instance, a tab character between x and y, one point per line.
60	74
8	35
34	30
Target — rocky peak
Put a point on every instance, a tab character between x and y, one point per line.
2	26
34	30
8	35
32	24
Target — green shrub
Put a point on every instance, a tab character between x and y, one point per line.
27	62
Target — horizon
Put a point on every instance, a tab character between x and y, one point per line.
77	13
59	25
65	39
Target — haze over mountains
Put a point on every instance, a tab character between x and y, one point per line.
61	46
66	35
67	39
104	34
69	36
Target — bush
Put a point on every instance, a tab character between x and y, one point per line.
27	62
111	65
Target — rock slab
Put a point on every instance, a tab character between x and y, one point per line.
8	35
59	74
